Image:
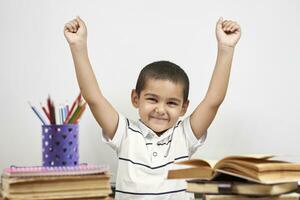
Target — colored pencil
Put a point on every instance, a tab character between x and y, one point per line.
72	107
37	113
72	118
46	112
80	113
61	114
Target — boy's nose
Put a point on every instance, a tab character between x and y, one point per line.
160	109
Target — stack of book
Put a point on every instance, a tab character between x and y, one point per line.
41	183
240	177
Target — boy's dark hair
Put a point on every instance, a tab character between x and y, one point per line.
163	70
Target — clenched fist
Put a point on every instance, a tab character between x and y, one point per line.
228	32
75	31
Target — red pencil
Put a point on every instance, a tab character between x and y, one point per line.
72	108
50	109
45	111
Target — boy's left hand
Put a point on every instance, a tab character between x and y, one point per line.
228	32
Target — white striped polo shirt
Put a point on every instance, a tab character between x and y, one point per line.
144	159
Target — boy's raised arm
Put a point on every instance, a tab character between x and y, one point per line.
228	33
75	32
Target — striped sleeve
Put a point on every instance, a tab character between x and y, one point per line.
192	141
115	143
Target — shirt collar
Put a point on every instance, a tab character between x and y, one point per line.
148	133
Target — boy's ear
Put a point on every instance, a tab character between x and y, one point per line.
134	98
185	106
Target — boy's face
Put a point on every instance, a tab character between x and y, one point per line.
160	104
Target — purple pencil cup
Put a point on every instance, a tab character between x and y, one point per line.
60	145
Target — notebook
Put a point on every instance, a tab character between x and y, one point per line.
29	171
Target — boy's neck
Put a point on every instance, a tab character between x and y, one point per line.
157	133
160	133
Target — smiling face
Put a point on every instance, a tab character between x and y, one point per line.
160	104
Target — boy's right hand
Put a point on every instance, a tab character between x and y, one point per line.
75	31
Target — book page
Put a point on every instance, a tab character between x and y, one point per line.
196	163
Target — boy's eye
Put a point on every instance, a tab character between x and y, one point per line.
173	103
151	99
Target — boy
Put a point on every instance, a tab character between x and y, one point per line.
148	148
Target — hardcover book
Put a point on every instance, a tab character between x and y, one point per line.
260	169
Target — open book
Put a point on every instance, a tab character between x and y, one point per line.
290	196
260	169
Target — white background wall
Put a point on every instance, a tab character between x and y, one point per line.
259	115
